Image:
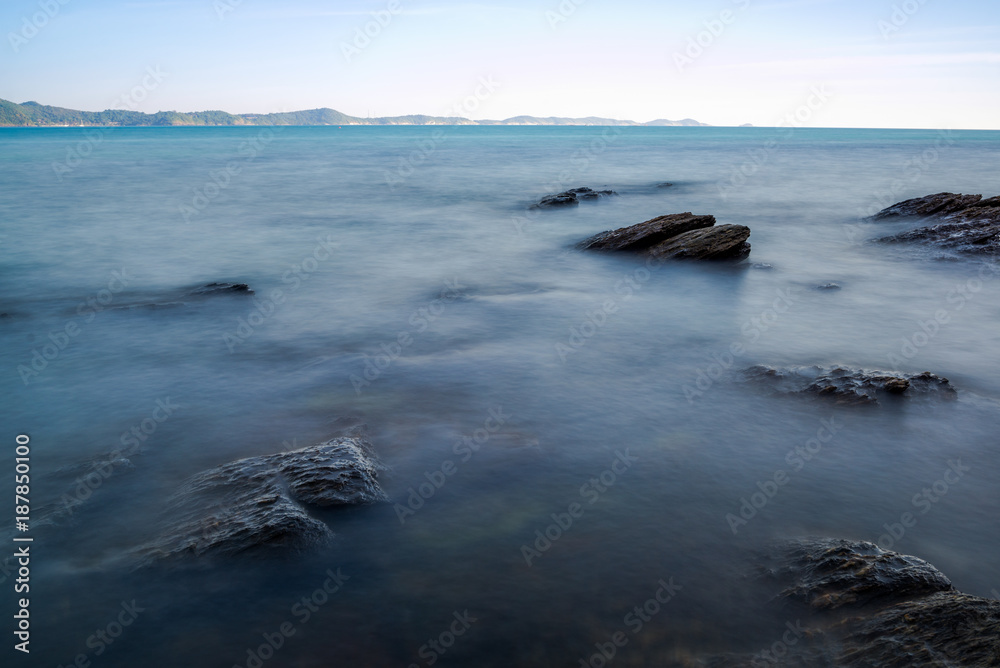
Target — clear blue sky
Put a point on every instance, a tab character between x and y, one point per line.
936	63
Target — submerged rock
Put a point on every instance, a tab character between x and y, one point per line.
862	606
849	386
221	289
572	197
968	223
676	236
261	502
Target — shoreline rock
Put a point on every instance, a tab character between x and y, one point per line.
849	387
676	236
862	606
968	224
262	502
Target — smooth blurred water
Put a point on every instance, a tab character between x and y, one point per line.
424	233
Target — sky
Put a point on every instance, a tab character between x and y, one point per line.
834	63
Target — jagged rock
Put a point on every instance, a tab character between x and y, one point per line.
646	235
676	236
969	224
849	386
862	606
828	286
826	574
725	242
932	205
572	197
261	502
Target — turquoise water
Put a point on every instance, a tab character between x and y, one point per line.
377	236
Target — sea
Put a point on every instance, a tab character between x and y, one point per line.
578	472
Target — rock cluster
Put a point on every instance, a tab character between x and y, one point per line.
572	197
967	223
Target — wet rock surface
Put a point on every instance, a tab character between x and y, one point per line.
861	606
210	289
846	386
262	502
572	198
676	236
967	224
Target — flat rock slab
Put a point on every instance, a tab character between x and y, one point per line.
968	224
846	386
676	236
261	502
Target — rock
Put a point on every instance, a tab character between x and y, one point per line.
221	289
827	574
646	235
969	224
850	386
828	286
931	205
261	502
862	606
725	242
664	185
676	236
572	197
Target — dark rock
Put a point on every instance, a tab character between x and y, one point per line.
572	197
645	235
676	236
968	223
864	607
221	289
826	574
261	502
828	286
725	242
664	185
932	205
973	237
850	386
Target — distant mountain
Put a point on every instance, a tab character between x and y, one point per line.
32	114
